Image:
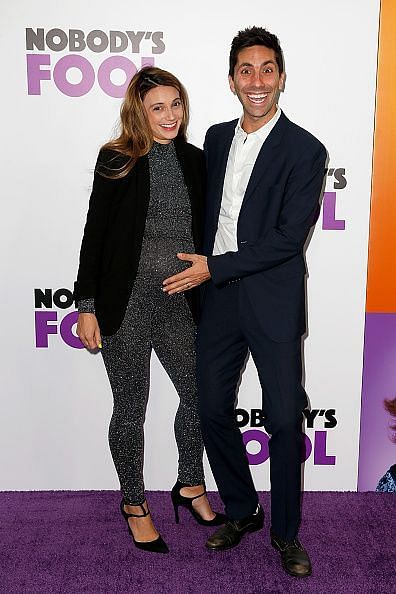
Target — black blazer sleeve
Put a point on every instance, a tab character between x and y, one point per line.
286	240
96	224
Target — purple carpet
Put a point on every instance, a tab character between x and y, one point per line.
78	542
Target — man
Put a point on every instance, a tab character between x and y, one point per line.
265	176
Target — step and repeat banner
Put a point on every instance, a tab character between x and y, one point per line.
65	68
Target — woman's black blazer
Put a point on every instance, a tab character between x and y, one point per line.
113	234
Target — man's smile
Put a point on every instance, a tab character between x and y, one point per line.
257	98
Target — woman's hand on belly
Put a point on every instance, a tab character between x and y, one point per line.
88	331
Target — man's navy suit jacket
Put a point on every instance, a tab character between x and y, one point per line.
278	209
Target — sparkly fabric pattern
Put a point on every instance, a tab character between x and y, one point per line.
154	320
86	305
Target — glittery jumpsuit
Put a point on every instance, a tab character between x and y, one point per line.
155	320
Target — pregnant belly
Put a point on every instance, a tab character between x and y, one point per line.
158	258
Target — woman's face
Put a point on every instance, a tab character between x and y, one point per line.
164	110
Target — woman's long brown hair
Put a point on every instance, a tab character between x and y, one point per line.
136	138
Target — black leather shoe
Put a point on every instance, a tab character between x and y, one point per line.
230	534
294	557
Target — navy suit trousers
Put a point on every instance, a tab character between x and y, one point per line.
227	332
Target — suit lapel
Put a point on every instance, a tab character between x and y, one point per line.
265	156
221	165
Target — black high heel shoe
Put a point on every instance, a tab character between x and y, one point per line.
155	546
180	500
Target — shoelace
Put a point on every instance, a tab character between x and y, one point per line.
294	544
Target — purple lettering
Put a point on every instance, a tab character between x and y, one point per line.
66	330
121	63
320	455
262	438
329	212
147	62
87	72
35	74
105	70
43	329
306	448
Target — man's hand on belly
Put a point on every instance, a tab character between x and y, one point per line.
195	275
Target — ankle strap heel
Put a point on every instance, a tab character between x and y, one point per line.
180	500
155	546
128	515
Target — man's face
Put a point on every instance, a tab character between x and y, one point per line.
257	83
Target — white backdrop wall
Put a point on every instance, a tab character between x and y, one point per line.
55	399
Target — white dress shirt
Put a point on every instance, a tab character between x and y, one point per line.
241	159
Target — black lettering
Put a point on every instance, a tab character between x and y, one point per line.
76	40
118	41
35	39
135	39
240	412
310	416
341	182
159	46
63	298
56	46
256	417
103	41
42	298
331	421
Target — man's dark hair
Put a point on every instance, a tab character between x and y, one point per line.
255	36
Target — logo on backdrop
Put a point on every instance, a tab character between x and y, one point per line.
75	73
321	420
337	181
50	317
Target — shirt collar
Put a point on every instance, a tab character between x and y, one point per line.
261	132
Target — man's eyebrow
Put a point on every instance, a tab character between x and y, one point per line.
263	64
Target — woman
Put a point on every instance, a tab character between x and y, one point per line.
145	207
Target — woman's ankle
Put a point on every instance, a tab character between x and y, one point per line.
192	490
140	509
